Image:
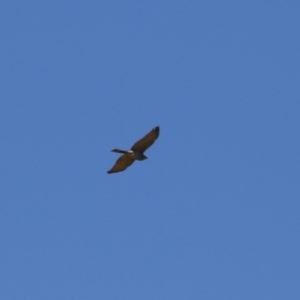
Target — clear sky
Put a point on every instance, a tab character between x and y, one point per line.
214	213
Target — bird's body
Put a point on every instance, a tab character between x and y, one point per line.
136	152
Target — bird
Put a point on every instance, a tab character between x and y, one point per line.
135	153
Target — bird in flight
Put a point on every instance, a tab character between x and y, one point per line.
136	152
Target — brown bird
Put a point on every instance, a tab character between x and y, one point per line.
136	152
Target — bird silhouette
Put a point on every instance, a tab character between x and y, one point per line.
135	153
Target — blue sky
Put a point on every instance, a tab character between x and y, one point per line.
213	213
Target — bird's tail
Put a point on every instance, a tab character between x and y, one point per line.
119	151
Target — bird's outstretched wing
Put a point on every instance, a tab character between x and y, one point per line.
144	143
122	163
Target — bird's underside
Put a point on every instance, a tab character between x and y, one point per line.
136	152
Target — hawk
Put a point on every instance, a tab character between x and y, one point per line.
136	152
